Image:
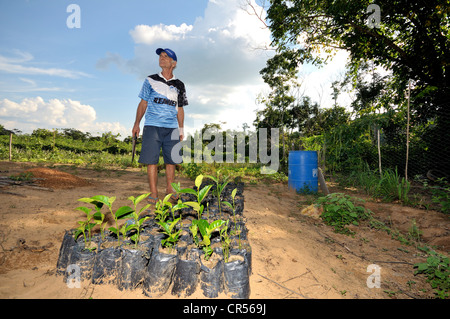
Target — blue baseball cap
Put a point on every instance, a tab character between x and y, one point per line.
169	52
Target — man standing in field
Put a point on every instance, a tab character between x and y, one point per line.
162	100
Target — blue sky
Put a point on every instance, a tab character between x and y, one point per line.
88	78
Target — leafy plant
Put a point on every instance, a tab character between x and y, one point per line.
137	222
339	211
233	207
414	232
441	195
219	187
162	208
206	229
392	187
120	213
200	194
85	226
192	170
169	229
437	269
225	241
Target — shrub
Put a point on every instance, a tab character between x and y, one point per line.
339	210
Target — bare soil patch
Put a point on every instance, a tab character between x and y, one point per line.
294	256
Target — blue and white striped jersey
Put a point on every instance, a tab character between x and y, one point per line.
163	98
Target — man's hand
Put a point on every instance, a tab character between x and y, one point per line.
181	130
135	131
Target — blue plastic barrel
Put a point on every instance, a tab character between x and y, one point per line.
303	171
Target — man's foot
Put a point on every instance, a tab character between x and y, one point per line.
152	200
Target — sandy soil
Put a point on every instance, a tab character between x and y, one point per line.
294	255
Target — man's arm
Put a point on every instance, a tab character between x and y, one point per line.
180	118
142	107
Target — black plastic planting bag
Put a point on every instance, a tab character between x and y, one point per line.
83	259
65	251
186	276
105	266
131	267
159	272
246	253
236	279
211	279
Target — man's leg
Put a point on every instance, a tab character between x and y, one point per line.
152	172
170	177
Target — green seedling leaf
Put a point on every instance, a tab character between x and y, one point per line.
108	201
179	205
138	199
84	209
194	205
198	181
228	204
215	225
165	226
233	193
203	192
166	198
123	211
202	226
142	220
113	230
144	208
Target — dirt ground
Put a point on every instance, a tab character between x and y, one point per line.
294	256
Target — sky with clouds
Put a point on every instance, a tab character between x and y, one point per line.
82	66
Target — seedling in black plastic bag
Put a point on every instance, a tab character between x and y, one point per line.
85	225
225	240
137	222
121	212
168	228
219	188
206	229
200	194
162	208
237	229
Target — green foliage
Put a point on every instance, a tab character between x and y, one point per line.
136	223
392	187
120	213
192	170
225	240
441	195
340	210
205	229
85	225
200	194
233	207
70	147
220	186
437	270
169	229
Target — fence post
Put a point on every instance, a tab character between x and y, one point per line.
10	146
379	151
407	132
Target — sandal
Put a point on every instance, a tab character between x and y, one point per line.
152	200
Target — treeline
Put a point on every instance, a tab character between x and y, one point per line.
67	139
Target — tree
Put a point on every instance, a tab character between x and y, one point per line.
411	41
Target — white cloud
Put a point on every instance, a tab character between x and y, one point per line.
145	34
316	82
34	113
19	65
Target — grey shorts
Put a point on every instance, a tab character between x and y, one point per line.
156	138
